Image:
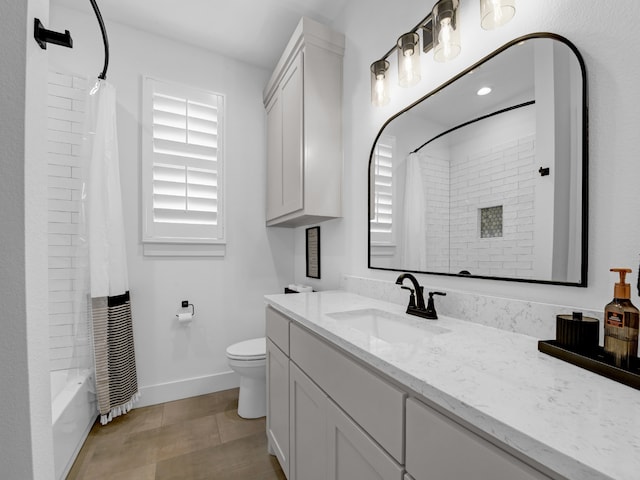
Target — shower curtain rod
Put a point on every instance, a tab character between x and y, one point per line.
531	102
103	75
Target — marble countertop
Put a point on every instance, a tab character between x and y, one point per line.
578	424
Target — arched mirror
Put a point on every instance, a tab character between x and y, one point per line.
487	175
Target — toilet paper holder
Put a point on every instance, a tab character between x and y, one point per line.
186	304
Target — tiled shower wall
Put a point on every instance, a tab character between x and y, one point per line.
502	176
67	264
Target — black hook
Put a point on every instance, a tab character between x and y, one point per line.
44	36
543	171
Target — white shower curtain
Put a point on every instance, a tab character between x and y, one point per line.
414	240
116	378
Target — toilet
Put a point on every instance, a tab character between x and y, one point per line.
249	359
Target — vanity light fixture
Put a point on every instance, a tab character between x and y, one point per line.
483	91
408	59
380	83
441	33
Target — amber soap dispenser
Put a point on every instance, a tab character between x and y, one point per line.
621	325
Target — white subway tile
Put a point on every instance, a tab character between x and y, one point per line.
60	308
59	102
59	79
60	251
59	193
67	160
58	147
65	92
63	228
64	205
61	353
60	285
58	239
64	181
65	114
64	137
59	125
59	217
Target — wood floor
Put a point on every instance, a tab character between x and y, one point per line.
196	438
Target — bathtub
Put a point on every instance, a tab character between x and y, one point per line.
73	412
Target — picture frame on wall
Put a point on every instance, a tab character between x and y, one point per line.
313	252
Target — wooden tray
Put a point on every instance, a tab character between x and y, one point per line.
594	363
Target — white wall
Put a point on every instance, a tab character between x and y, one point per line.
25	409
609	46
175	361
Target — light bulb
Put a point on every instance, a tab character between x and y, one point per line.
483	91
379	90
497	12
444	37
408	59
407	66
379	83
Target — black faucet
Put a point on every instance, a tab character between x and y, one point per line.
416	304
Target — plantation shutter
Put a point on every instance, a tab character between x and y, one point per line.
382	215
184	194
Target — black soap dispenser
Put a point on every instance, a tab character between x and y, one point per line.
621	325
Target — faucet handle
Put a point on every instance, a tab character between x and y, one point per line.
412	297
431	308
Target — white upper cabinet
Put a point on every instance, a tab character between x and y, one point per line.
303	100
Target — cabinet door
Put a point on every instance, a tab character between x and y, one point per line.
274	157
353	455
308	427
439	448
278	404
291	92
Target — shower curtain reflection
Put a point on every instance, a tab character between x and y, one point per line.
414	240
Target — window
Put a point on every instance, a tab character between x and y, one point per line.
382	206
182	168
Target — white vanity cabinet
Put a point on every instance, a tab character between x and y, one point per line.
348	422
439	448
341	417
303	100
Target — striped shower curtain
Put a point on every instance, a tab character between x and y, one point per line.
116	378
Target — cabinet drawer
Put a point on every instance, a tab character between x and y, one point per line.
377	406
438	447
278	329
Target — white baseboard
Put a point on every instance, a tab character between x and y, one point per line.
190	387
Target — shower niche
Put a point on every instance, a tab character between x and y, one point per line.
489	186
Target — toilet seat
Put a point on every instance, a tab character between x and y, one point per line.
254	349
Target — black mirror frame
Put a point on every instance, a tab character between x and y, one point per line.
585	164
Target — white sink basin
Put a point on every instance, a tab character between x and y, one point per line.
387	326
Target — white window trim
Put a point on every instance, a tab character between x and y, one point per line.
176	244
